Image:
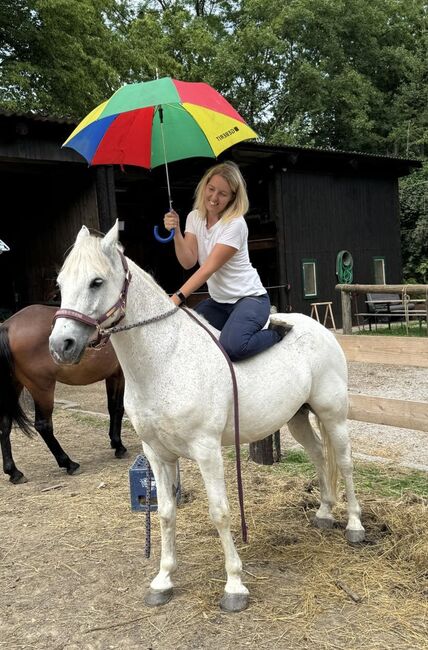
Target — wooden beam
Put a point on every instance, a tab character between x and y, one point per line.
394	350
410	289
392	412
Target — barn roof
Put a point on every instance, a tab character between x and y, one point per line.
290	157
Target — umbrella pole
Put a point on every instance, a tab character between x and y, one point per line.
164	240
164	156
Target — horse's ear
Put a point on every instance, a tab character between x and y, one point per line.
83	232
111	239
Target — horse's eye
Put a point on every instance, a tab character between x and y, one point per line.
96	283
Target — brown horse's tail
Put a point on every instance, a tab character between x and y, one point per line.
10	407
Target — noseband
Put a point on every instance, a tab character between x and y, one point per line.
117	309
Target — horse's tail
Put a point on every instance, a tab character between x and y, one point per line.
330	457
9	388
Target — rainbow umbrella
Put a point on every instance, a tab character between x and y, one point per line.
156	122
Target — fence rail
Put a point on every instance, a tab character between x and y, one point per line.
347	290
392	350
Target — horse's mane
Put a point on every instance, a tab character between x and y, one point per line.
86	257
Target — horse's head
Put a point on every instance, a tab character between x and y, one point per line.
93	283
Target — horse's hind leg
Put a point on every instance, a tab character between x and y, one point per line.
15	476
335	433
302	431
115	386
44	426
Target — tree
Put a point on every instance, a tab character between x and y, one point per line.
61	56
414	226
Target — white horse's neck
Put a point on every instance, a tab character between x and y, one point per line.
146	299
151	344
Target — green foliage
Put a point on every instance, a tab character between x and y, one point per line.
347	74
385	481
61	56
414	226
415	328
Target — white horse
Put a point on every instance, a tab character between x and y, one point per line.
179	398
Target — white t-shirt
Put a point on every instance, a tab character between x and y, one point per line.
237	278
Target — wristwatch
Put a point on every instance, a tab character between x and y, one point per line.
180	295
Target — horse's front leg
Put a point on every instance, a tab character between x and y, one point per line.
44	426
161	587
235	597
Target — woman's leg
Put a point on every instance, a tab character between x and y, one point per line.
242	335
216	313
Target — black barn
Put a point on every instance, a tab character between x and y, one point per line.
309	209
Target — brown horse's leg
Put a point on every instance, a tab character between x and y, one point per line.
115	387
9	467
44	426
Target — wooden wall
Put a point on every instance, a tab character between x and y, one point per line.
48	207
324	214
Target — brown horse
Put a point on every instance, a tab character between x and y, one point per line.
25	361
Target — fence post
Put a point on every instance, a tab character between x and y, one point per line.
346	311
261	452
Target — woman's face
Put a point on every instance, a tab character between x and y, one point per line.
217	196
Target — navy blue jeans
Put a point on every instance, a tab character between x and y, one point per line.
241	325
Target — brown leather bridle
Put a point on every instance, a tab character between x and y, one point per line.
119	308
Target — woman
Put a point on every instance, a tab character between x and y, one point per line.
216	236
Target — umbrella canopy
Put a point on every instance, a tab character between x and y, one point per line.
155	122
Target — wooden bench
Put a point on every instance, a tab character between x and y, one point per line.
387	307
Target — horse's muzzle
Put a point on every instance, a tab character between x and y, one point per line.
68	344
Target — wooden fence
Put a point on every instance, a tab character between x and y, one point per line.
393	350
347	290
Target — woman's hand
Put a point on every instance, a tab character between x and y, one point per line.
171	220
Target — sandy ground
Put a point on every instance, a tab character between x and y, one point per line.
73	572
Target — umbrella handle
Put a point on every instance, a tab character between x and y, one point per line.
163	240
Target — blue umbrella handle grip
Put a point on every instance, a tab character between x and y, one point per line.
163	240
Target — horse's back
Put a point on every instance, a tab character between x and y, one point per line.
303	366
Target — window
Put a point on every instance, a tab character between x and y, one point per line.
379	270
309	278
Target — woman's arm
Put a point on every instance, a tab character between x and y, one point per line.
220	254
186	248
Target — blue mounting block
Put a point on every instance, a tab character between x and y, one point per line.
139	475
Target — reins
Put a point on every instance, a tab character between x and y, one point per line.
236	422
122	328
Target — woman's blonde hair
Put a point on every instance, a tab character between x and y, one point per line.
238	205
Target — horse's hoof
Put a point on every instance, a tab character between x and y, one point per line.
234	602
72	468
355	536
155	598
326	523
121	452
18	479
